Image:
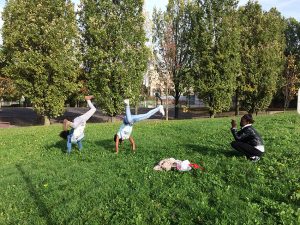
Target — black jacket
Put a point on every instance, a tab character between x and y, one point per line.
247	135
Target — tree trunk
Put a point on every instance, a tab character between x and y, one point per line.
167	107
167	100
298	102
177	96
286	104
176	110
136	109
45	120
285	94
251	110
237	104
112	119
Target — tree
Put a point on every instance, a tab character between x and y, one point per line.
216	56
291	74
290	80
7	87
292	35
263	43
171	32
39	38
114	51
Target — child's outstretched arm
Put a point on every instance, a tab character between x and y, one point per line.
132	143
117	144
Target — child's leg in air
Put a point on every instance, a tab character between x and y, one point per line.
137	118
128	118
89	113
85	117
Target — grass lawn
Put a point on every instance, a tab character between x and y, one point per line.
40	184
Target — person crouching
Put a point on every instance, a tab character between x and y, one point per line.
247	140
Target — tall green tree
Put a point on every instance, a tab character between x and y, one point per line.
292	35
7	88
114	51
216	56
6	84
290	80
171	32
39	42
263	45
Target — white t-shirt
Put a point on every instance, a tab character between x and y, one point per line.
124	131
79	126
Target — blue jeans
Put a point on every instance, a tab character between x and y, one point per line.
69	143
131	119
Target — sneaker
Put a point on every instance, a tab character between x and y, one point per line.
161	110
254	158
126	101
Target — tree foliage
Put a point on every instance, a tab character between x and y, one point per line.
171	32
7	87
263	44
39	39
291	74
291	79
114	51
215	52
292	35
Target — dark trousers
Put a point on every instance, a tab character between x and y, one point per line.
246	149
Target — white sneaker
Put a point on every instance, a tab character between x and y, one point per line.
126	101
254	158
161	110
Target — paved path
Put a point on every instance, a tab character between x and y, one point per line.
22	116
25	116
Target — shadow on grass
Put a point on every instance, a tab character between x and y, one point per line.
206	150
108	144
61	145
41	206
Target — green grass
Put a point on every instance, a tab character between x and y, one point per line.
40	184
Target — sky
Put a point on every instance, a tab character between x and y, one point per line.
288	8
